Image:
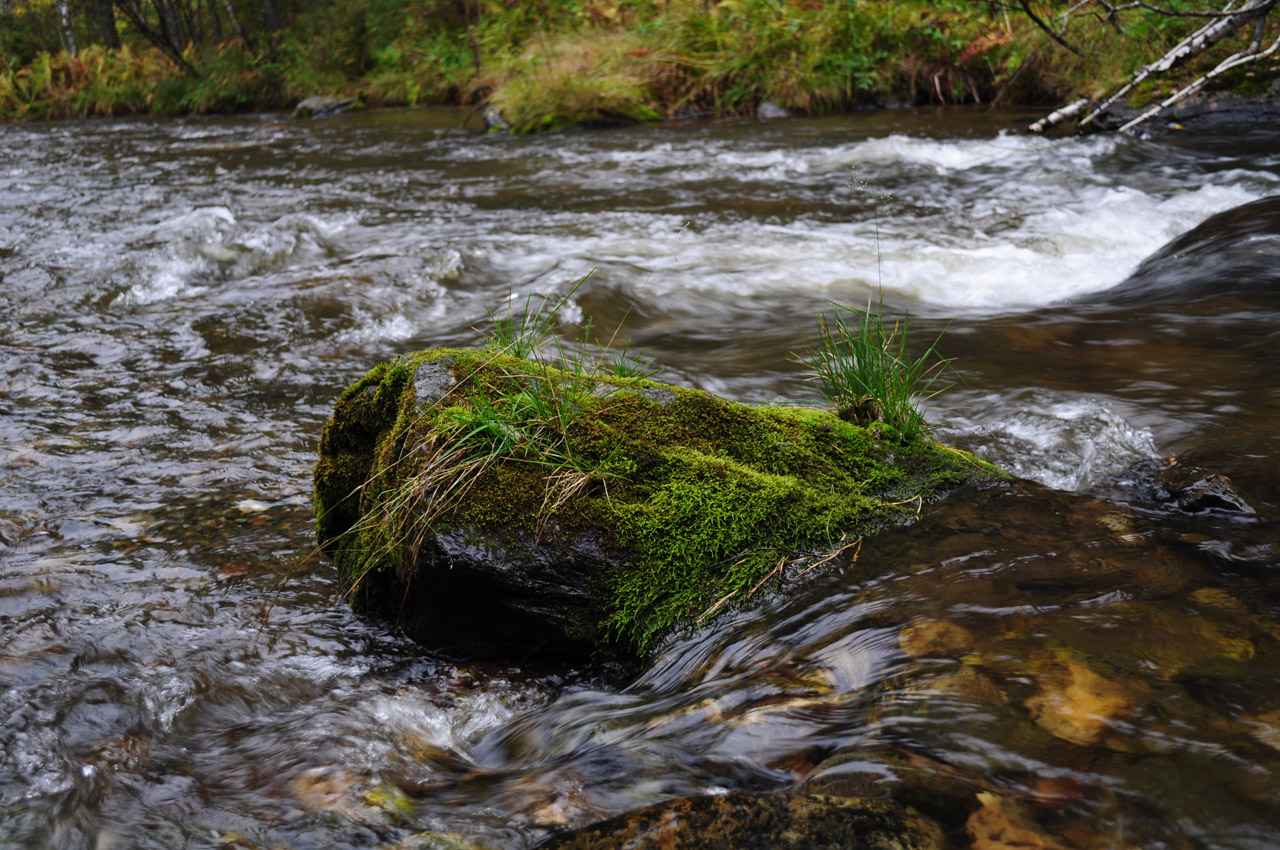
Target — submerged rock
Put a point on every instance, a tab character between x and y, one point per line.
741	821
1002	824
504	505
936	638
1077	704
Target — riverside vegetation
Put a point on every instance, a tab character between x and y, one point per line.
630	506
554	63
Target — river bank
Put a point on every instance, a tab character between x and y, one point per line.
564	62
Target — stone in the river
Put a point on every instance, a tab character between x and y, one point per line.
348	793
744	821
1194	489
770	109
935	639
1265	727
318	106
1160	637
503	505
969	685
494	120
1177	482
1078	705
1002	824
435	841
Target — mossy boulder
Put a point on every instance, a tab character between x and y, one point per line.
501	504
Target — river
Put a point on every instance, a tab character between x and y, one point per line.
1074	654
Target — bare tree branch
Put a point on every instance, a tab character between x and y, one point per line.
1026	7
1174	13
235	22
135	15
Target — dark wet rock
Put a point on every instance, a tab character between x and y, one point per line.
1194	489
745	821
770	109
1174	482
688	113
1200	111
1200	491
1206	109
319	106
635	509
494	120
1236	252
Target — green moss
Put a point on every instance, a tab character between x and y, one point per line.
690	498
348	443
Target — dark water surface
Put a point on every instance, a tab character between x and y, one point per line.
1073	656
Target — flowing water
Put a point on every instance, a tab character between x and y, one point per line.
1074	656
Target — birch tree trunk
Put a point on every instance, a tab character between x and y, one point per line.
235	23
215	22
68	34
1193	45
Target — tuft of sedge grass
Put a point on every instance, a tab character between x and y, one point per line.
622	364
865	370
523	334
97	82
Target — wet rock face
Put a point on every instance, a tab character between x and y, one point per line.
1194	490
1179	483
744	821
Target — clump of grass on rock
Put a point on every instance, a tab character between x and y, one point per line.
866	372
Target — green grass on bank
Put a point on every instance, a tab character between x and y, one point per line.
552	63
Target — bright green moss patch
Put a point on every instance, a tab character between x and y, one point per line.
600	509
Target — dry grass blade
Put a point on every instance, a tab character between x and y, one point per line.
707	613
782	563
562	486
836	554
404	521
